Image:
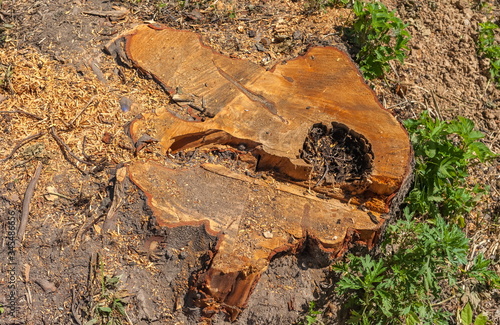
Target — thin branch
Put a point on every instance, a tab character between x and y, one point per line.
19	111
83	149
66	150
26	202
20	144
72	123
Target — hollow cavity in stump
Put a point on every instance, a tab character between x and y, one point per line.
337	154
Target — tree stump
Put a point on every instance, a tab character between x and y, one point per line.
334	160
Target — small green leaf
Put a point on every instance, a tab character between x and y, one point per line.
412	319
481	319
119	306
466	315
113	280
104	309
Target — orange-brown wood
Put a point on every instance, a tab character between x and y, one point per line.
274	115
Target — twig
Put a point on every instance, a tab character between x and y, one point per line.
74	307
116	14
59	194
118	198
20	144
394	70
66	150
19	111
72	123
83	149
26	202
85	228
323	176
443	301
29	298
98	72
436	106
192	155
10	14
101	120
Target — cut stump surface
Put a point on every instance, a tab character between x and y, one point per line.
335	158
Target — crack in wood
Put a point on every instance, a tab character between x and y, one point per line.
270	106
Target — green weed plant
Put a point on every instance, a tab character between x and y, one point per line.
426	252
489	48
381	37
466	317
379	34
312	314
110	309
444	150
407	285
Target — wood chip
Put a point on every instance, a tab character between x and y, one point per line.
46	285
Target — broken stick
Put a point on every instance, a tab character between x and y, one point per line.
26	202
118	14
20	111
67	151
20	144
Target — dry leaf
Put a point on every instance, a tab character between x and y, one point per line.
51	193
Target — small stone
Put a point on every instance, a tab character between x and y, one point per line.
260	47
297	35
440	89
46	285
426	32
183	255
251	33
492	125
267	234
488	115
459	5
169	253
265	41
266	60
195	15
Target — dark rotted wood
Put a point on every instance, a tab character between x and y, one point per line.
312	121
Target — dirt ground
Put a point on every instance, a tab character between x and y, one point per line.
64	95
